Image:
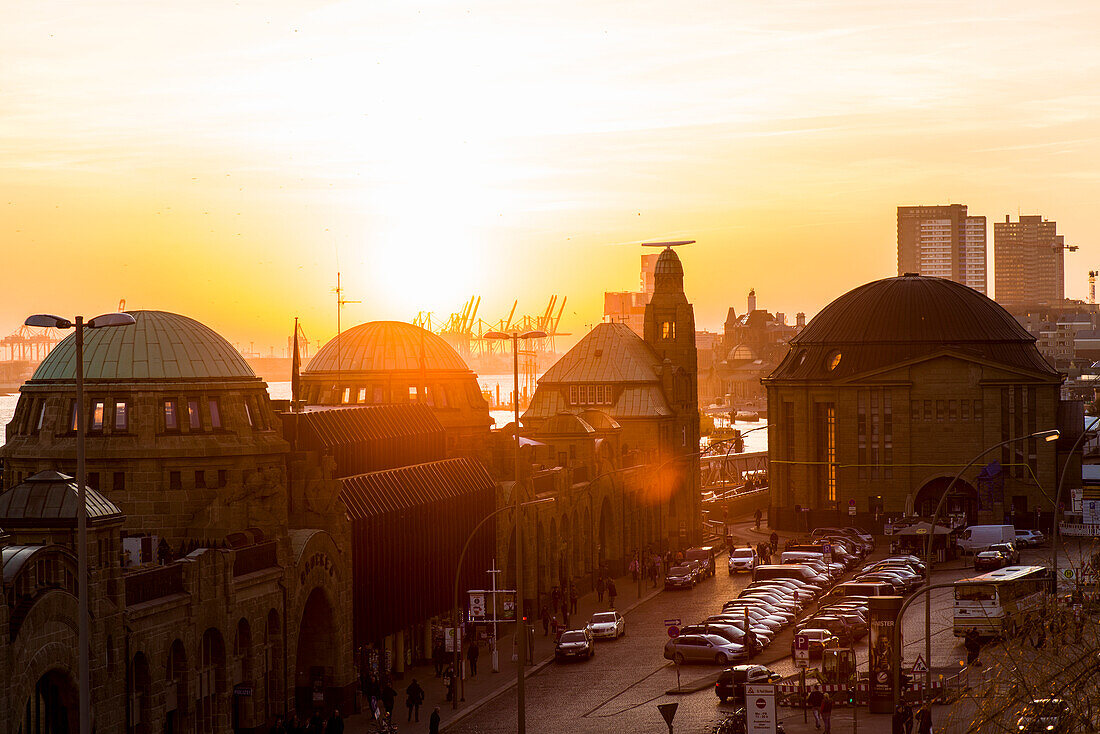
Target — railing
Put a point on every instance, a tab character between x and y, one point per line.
143	586
1079	529
255	558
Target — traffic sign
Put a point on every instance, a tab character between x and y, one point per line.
760	708
801	642
673	631
672	623
919	667
668	711
827	552
801	651
1068	574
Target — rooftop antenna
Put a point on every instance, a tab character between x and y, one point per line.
339	291
674	243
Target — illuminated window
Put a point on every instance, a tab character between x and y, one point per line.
834	360
171	420
122	416
412	394
215	413
362	395
72	415
668	329
97	415
194	417
347	396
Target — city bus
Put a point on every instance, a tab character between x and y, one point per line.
1001	602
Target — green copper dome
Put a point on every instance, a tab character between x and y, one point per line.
160	346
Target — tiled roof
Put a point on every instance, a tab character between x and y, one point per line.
50	499
386	346
393	490
324	427
610	353
160	346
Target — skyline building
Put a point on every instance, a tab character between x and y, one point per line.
1030	262
943	242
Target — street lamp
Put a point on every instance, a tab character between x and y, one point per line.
1051	435
515	336
56	322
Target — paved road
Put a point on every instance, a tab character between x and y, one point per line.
619	689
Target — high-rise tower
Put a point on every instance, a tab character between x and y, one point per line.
1030	262
943	242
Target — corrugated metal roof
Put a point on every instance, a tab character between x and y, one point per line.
610	353
13	558
50	499
343	425
386	346
160	346
382	492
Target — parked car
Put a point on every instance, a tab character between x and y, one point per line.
703	649
607	625
820	640
1030	538
697	570
990	560
575	644
1010	551
731	632
705	555
842	630
732	681
1046	715
742	559
679	577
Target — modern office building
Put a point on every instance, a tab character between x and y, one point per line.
942	242
1029	268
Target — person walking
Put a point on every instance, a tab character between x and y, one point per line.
907	716
897	721
774	539
572	598
757	516
612	592
545	621
600	586
634	569
827	713
433	722
924	720
472	655
439	655
814	701
555	597
414	697
973	645
389	697
335	723
449	682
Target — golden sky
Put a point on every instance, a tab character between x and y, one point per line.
223	159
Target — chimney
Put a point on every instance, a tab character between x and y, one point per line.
752	300
800	320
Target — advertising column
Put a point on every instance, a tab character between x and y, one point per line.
881	653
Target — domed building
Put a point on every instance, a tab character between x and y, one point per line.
393	362
894	387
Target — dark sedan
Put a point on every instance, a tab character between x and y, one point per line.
679	577
732	681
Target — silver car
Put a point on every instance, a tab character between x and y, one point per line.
607	625
703	649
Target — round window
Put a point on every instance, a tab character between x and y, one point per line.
834	360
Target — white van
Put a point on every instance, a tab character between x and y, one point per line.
977	538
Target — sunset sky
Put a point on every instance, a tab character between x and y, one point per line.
223	160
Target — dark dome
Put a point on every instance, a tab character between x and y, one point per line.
893	320
668	263
386	346
912	308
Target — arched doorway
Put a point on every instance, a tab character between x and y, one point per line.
316	655
963	499
140	695
211	692
175	694
606	534
54	707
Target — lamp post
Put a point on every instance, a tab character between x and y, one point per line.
1058	500
56	322
1050	435
515	336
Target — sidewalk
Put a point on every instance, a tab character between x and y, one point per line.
487	685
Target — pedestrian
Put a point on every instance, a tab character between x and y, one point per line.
756	516
389	697
433	722
449	681
827	713
414	697
545	621
612	592
907	716
278	727
316	723
565	617
472	655
438	654
572	598
600	586
897	721
555	597
634	569
973	646
292	725
554	626
335	723
924	720
1040	637
814	701
774	541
